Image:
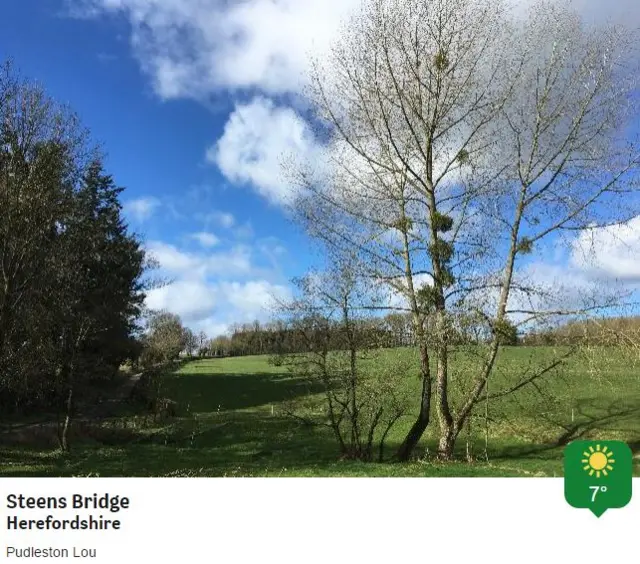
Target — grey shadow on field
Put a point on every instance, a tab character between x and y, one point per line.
589	415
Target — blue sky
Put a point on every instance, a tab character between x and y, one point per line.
241	244
194	102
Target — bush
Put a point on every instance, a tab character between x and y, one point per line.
362	395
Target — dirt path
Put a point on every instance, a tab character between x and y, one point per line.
102	410
118	396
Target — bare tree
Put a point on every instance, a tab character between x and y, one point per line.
202	343
190	340
362	396
462	140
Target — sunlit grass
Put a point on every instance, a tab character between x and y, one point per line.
233	422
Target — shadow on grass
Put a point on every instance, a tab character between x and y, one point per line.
590	415
24	456
22	462
207	393
231	443
595	414
225	428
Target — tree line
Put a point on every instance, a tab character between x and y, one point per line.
279	337
395	330
392	330
603	332
71	274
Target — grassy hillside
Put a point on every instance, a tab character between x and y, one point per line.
233	421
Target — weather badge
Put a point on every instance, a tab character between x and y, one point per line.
598	475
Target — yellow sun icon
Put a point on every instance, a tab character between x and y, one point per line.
597	461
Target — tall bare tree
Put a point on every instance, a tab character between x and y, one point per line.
462	139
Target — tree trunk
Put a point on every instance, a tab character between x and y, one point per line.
448	432
417	430
64	437
447	443
5	311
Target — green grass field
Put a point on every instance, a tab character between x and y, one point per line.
232	421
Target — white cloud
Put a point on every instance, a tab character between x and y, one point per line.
211	326
396	297
620	11
190	48
172	260
206	239
255	138
610	253
141	209
547	286
192	300
219	304
602	268
218	218
255	298
213	290
244	231
193	48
